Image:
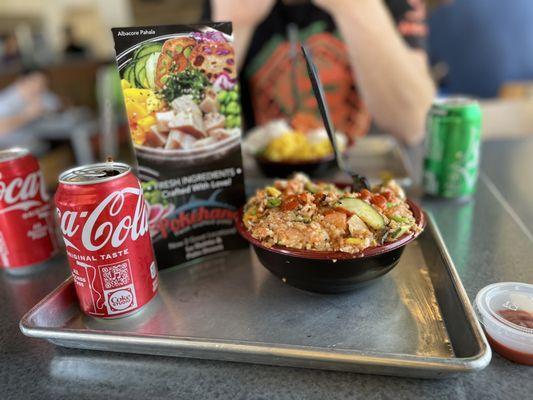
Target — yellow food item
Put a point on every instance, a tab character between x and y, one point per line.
272	191
146	122
354	241
137	94
136	110
250	214
138	135
141	104
153	103
295	146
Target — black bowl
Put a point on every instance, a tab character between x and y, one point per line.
284	169
331	271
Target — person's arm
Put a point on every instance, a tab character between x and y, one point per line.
21	102
393	79
245	16
31	111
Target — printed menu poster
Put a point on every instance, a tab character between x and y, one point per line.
182	101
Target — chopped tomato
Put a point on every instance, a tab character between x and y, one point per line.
289	203
319	197
180	63
388	195
379	201
365	194
302	198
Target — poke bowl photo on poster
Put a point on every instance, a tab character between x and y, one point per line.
181	93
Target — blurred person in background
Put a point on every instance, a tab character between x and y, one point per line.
21	104
484	43
370	54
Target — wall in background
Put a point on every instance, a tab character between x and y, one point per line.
92	20
161	12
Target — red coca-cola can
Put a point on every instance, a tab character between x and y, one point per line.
104	222
27	237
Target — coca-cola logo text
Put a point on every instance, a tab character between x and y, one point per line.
22	193
120	300
100	227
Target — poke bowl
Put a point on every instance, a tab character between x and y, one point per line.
345	263
281	148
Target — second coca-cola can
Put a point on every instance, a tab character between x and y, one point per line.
104	223
27	237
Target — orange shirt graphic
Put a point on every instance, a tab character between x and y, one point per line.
273	95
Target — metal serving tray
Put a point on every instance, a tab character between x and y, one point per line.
415	321
374	156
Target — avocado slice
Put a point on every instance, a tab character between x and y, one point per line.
364	211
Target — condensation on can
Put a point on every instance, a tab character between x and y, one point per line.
452	151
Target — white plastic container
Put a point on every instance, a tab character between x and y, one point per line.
505	310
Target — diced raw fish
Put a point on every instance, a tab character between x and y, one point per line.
173	141
163	119
154	138
185	104
337	219
213	121
204	142
219	133
357	227
179	140
189	123
234	131
209	104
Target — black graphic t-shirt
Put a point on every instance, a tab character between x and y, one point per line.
273	88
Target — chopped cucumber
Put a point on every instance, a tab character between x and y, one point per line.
129	74
140	71
401	219
311	187
127	70
364	211
399	232
147	49
273	202
143	79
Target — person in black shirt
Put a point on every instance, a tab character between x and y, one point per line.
370	55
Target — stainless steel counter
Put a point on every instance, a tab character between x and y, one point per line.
489	239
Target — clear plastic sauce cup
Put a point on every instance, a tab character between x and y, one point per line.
506	312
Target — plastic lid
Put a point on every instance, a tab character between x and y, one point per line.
506	311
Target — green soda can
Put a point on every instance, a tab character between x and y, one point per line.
453	144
